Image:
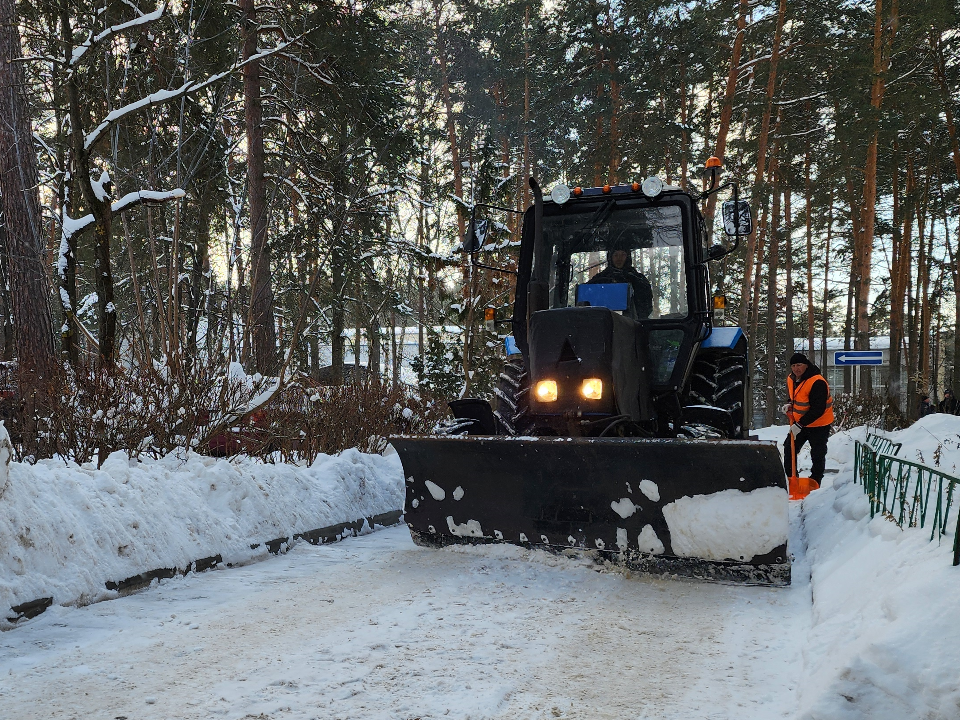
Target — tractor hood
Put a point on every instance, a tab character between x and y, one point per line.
570	345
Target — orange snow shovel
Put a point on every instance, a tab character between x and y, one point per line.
799	487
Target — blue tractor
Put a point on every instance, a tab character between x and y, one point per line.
622	415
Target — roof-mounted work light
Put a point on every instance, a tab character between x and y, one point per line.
652	186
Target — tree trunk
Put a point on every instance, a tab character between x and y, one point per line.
955	379
912	344
954	376
398	343
613	174
788	267
754	315
863	245
374	350
847	332
726	110
762	147
936	42
940	71
396	346
144	346
771	320
260	316
357	329
808	201
337	319
826	287
598	131
849	325
20	202
8	341
761	234
685	131
899	270
451	124
525	170
923	310
100	207
103	272
199	271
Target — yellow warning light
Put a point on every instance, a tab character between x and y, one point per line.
607	189
489	314
592	388
547	391
719	302
713	162
635	186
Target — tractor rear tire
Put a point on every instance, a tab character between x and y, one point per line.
513	407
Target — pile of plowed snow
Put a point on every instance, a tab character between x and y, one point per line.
67	529
885	636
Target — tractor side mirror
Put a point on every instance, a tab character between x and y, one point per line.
476	235
737	219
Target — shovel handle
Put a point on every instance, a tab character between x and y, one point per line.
793	451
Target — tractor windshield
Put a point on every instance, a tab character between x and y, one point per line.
641	246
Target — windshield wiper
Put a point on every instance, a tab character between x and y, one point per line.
599	217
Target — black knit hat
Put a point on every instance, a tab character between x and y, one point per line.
799	358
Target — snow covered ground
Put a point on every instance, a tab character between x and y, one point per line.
885	628
377	627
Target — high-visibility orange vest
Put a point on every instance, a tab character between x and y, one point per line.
800	400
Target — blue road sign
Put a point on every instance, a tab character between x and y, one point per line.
858	357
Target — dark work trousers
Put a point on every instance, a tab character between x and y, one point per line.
817	437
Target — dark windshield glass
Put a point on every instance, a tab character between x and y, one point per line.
642	246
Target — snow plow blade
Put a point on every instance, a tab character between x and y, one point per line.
713	510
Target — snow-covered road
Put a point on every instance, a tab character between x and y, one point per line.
375	627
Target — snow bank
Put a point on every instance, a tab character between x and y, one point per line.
67	530
885	639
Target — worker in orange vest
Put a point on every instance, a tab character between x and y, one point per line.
810	412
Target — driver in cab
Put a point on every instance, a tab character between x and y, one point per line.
620	270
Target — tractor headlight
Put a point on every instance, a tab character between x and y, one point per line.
546	391
592	388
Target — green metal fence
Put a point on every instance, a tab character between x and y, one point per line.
883	445
906	492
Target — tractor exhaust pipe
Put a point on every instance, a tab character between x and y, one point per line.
537	289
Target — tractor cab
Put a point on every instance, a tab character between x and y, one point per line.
624	276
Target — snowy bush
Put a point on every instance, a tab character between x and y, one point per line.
441	371
852	410
304	421
92	412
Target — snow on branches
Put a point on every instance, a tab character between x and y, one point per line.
80	50
138	197
160	96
